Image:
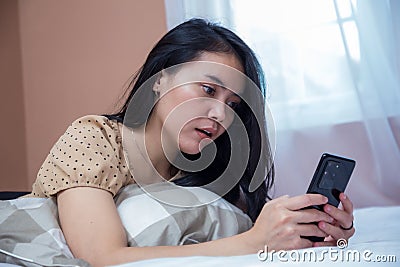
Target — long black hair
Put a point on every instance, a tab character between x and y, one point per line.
185	43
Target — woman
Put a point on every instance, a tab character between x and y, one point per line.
87	166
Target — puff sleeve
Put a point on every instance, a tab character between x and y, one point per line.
90	154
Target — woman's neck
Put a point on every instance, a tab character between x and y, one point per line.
158	149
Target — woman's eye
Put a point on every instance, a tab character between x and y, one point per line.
208	90
233	105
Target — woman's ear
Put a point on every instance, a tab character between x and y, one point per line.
159	83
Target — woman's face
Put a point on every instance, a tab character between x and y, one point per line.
197	101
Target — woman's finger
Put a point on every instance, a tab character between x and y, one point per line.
314	215
331	230
305	243
300	243
303	201
335	231
325	244
346	203
343	218
310	230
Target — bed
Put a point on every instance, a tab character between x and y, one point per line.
377	239
40	240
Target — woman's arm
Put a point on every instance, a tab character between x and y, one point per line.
94	232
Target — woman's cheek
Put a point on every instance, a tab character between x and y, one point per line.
230	116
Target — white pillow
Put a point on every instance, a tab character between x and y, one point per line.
30	234
150	222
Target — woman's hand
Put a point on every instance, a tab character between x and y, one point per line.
343	218
283	221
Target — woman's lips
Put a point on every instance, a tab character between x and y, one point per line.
202	134
206	132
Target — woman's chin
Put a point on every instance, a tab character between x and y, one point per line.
193	149
203	143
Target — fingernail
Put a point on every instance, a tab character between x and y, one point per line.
322	225
344	196
327	208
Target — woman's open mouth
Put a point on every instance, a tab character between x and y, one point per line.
205	132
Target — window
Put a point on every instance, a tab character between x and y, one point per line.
309	51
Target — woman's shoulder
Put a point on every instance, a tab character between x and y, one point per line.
89	153
95	125
99	121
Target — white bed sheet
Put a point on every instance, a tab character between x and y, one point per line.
377	238
377	234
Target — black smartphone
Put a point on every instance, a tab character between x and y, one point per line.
330	179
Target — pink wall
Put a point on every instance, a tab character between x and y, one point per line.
12	135
75	58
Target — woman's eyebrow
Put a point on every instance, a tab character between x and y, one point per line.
220	83
215	79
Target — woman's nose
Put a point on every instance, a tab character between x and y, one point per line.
217	111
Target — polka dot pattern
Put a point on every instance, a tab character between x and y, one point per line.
89	153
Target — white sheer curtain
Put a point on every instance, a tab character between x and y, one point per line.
333	72
178	11
378	86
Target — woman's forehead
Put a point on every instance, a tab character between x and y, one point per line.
210	72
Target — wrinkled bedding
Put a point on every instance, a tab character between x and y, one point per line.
376	242
30	234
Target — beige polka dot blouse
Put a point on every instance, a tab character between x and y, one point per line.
89	153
